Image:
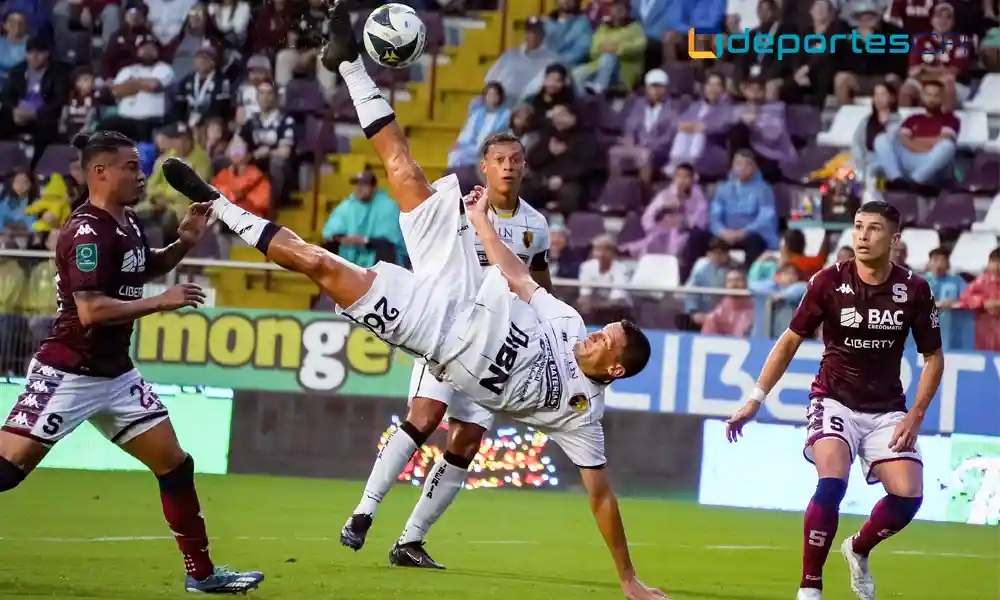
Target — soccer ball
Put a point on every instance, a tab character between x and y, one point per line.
394	36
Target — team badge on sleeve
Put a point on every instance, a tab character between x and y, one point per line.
86	257
528	238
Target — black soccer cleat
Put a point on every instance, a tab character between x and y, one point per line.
187	181
341	45
355	531
412	555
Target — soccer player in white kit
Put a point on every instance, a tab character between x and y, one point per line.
525	231
507	344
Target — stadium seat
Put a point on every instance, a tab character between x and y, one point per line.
952	211
987	99
55	159
632	230
304	97
972	250
584	227
657	271
11	157
983	175
991	222
620	196
814	239
844	124
804	122
682	78
975	129
907	203
919	243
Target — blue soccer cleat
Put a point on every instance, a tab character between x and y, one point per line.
224	581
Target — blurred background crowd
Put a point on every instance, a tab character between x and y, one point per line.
657	172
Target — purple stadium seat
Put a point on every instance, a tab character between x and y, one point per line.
713	164
11	157
952	211
782	200
317	138
304	97
983	175
584	227
55	159
812	158
682	79
804	122
620	196
631	229
907	203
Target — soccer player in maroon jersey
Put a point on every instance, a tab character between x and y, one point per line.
82	371
867	307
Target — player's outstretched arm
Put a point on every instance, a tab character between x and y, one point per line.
518	276
193	226
407	183
604	505
94	308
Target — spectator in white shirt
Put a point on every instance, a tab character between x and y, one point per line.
232	19
603	268
139	90
258	72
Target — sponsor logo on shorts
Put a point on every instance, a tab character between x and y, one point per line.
86	256
29	401
39	386
22	419
46	371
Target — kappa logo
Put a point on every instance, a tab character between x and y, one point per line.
935	318
850	317
845	289
134	261
30	401
38	386
85	229
19	419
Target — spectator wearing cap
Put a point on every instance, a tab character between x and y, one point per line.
258	72
617	51
302	58
649	130
199	32
858	73
705	121
565	163
140	90
269	28
568	33
204	94
232	19
921	152
243	183
520	70
940	58
364	227
80	111
167	17
742	212
760	126
33	96
163	205
14	43
708	272
120	50
556	89
270	137
487	115
603	268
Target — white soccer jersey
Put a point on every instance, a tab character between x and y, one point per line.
526	233
518	358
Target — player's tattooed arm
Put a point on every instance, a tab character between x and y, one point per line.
94	308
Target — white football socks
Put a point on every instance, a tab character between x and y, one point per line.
373	110
244	224
443	483
390	463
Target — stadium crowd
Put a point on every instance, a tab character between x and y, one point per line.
655	169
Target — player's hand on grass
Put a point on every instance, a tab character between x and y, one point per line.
637	590
195	223
734	426
182	295
904	437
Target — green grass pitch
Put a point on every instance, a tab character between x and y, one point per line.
58	535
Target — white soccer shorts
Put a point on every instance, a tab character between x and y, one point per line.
415	310
460	407
55	403
867	435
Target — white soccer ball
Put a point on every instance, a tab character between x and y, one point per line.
394	36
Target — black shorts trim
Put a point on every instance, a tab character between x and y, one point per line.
594	468
139	421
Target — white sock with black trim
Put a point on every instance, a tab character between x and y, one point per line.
374	112
252	229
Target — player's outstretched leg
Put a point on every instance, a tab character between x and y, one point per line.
903	480
160	451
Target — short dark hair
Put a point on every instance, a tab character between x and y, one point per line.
932	83
718	243
503	137
635	355
994	255
938	252
92	145
557	68
795	241
498	88
685	167
747	154
880	207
